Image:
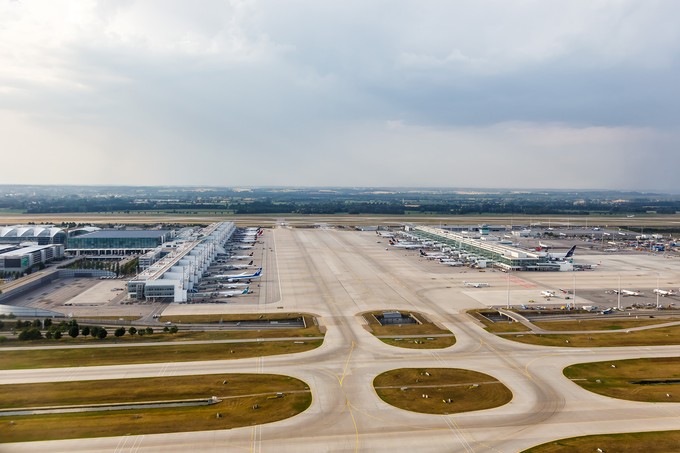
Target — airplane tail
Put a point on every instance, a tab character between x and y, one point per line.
245	291
251	263
570	253
259	271
422	253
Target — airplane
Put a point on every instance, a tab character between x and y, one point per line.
384	235
244	276
405	245
232	293
664	293
606	311
548	293
476	284
561	256
627	292
237	267
241	257
233	285
453	263
433	256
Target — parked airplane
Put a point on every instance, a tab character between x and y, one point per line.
476	284
664	293
233	285
236	267
241	257
405	245
384	235
548	293
561	256
627	292
243	276
433	256
232	293
453	263
606	311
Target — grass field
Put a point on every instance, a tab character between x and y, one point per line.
651	442
240	393
621	379
424	328
76	357
651	337
602	324
495	327
465	389
421	343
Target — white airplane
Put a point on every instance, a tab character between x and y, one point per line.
627	292
232	293
384	235
664	293
241	257
405	245
561	256
244	276
548	293
233	285
237	267
476	284
453	263
433	256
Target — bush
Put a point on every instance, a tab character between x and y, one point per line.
30	333
119	332
47	322
86	331
174	329
73	332
102	333
57	335
132	330
149	330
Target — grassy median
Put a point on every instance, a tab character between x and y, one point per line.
602	324
499	326
247	399
422	328
651	442
650	337
77	357
650	380
440	390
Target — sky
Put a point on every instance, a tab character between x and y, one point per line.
581	94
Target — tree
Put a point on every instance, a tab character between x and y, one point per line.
73	332
102	333
119	332
94	331
174	329
166	329
86	331
57	335
36	323
132	330
30	333
47	322
149	330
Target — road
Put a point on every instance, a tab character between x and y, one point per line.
339	275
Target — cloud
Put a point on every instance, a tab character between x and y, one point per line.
341	93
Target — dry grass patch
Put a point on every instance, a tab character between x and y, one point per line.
651	337
421	343
636	380
601	324
440	390
239	395
54	358
652	442
500	326
423	327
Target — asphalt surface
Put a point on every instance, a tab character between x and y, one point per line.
339	274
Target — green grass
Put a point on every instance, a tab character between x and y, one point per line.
239	395
468	390
650	442
54	358
619	381
651	337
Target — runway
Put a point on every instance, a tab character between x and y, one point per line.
339	274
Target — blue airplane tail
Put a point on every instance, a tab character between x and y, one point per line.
570	253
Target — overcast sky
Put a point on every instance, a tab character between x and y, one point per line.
564	94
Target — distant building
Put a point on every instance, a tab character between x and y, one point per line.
41	235
117	242
18	259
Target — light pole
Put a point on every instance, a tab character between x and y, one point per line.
657	291
507	305
618	294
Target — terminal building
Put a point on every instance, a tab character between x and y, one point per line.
172	270
117	242
504	257
41	235
17	258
